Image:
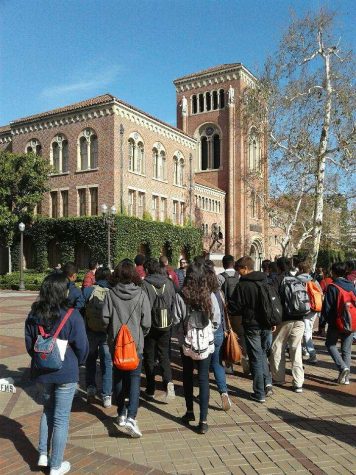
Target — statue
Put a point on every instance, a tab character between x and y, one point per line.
231	95
184	105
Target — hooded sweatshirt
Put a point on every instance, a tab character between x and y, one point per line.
128	304
158	281
245	299
329	310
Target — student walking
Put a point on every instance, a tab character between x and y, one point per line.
96	327
197	311
75	296
127	304
246	301
56	386
340	288
161	294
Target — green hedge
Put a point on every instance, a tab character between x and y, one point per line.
33	280
127	235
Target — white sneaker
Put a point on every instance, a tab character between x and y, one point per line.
43	461
107	401
64	468
344	374
170	393
225	402
121	421
132	428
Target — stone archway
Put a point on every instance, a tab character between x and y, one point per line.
256	252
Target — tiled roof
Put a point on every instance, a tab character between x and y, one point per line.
104	98
200	181
4	129
222	67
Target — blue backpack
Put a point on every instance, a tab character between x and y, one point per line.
46	351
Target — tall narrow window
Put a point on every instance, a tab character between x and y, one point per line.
216	147
222	98
88	152
131	203
210	149
140	158
65	203
181	172
254	152
65	158
34	146
93	151
55	152
141	204
131	155
83	153
181	213
54	204
194	104
175	170
208	101
215	100
93	201
201	102
163	209
82	195
175	212
155	207
204	153
155	163
163	166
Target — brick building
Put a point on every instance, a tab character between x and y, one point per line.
107	151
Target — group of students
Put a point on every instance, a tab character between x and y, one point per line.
155	303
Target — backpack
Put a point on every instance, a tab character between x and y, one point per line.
162	317
47	349
271	307
125	356
315	296
93	309
295	297
346	310
199	338
229	285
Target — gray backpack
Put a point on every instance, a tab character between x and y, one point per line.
295	297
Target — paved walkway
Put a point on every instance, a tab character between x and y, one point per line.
313	432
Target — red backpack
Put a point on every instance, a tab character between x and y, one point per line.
346	310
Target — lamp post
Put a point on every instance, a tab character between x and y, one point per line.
108	219
22	283
122	130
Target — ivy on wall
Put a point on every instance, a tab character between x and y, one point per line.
128	235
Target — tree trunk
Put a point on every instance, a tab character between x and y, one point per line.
320	174
9	260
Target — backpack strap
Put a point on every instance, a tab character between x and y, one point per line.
155	289
60	326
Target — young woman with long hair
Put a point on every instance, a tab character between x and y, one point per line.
127	304
57	387
196	297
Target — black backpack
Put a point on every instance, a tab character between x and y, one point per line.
271	307
229	285
162	317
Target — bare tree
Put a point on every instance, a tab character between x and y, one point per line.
306	103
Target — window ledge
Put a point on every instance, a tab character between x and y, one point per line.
137	173
87	170
179	186
208	112
59	173
210	170
159	179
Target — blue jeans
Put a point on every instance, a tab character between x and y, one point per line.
216	361
127	385
57	403
258	343
203	377
98	346
344	360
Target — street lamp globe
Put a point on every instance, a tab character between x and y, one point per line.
22	227
104	209
113	210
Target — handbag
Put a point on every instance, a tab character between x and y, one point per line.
231	349
47	353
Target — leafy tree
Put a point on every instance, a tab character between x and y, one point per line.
23	181
305	102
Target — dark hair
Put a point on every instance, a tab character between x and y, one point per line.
183	259
245	261
228	261
339	269
199	260
93	263
212	280
304	267
209	264
350	266
103	273
265	265
69	269
139	259
272	267
163	260
284	264
195	291
125	273
53	296
152	266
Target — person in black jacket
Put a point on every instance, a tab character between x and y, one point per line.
329	314
245	301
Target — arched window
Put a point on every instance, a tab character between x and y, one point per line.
194	104
136	153
254	151
222	98
87	150
155	162
210	149
34	146
55	155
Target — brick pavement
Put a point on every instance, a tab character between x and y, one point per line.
313	432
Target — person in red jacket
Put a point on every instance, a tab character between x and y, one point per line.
139	262
163	261
89	278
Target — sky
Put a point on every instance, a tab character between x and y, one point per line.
56	52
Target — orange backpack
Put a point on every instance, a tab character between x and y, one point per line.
315	296
125	354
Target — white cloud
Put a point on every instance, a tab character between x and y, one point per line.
86	83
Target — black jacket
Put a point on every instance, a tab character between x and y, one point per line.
245	300
158	280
